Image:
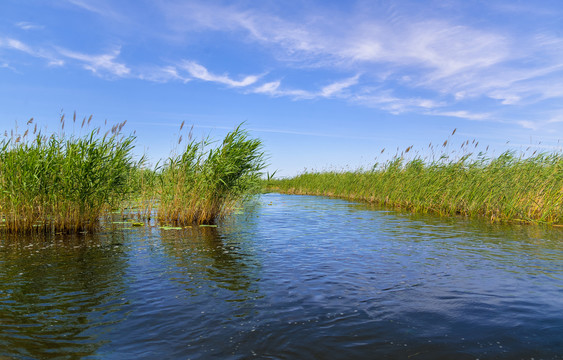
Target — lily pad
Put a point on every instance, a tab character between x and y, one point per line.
170	228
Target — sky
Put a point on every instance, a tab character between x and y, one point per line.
326	85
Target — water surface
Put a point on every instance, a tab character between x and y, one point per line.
293	277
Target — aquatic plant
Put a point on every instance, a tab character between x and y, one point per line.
204	183
61	183
144	185
509	187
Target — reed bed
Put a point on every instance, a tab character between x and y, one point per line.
506	188
205	183
65	184
61	183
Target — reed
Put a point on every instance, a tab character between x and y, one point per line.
205	183
61	183
144	185
506	188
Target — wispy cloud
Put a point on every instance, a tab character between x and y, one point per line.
25	25
99	64
200	72
453	59
463	114
274	89
435	44
429	63
335	89
99	7
528	124
385	100
14	44
161	74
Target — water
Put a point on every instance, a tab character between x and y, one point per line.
294	277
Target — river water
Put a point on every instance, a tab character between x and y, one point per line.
291	277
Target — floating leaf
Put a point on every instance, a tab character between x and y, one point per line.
170	228
204	225
137	224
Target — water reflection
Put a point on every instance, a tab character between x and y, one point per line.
298	277
204	255
59	294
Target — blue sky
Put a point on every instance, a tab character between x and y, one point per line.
324	84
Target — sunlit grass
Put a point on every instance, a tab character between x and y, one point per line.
61	183
505	188
204	183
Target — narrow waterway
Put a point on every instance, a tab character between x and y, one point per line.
291	277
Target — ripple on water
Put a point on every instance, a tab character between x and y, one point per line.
305	277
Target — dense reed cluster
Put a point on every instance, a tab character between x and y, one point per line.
203	184
505	188
61	183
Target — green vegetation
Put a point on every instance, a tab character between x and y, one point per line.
507	188
61	183
202	184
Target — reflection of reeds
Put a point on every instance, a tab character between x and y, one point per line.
60	183
504	188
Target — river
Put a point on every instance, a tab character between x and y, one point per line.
290	277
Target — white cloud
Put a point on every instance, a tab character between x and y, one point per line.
14	44
200	72
436	44
270	88
161	74
274	89
385	100
556	119
528	124
334	89
99	64
24	25
435	53
99	7
463	114
409	62
337	87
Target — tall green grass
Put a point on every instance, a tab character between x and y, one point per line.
506	188
205	183
62	183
